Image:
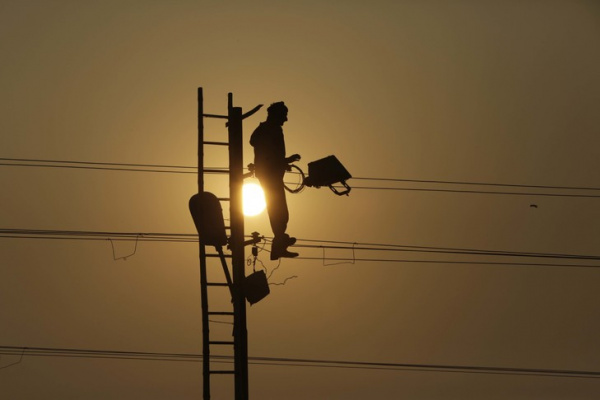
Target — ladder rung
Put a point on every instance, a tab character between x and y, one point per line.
217	284
221	372
215	116
221	342
217	256
220	313
216	143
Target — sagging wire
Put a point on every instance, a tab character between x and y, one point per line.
274	269
284	281
253	261
16	362
124	258
353	261
279	283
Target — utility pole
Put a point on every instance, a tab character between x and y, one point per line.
208	217
236	172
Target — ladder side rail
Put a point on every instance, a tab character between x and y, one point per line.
202	251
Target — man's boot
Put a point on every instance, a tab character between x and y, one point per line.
289	241
279	248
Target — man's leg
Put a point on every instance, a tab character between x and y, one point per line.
278	215
276	204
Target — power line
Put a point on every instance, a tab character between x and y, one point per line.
456	251
99	168
449	249
284	361
329	244
369	247
479	183
180	169
97	163
117	167
193	238
477	192
408	261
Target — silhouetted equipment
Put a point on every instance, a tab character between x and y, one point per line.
326	172
207	213
208	217
256	286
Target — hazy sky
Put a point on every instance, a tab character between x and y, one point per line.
472	91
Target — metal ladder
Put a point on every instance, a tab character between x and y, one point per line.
236	244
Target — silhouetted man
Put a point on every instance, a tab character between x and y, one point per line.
270	165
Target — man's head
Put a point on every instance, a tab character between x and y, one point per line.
277	112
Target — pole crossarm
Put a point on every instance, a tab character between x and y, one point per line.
251	112
215	116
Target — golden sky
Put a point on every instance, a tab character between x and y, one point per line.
468	91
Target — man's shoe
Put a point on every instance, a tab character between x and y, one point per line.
279	253
284	241
289	241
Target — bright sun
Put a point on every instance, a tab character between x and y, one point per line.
254	199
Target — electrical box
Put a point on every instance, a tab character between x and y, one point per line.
256	287
326	172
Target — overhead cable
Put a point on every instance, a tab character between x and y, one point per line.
476	192
285	361
353	247
479	183
181	169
